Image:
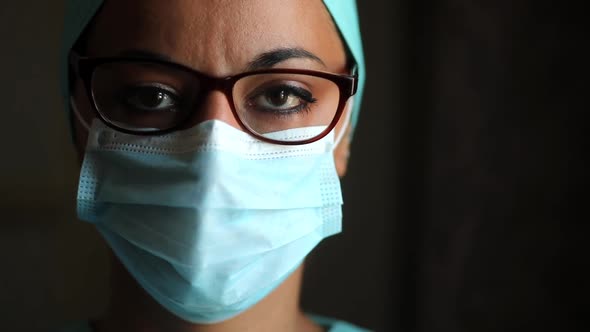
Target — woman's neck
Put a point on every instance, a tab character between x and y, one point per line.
133	310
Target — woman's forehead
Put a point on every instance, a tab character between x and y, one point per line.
220	37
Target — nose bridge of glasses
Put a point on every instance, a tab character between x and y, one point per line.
213	103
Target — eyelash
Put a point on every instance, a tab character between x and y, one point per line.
282	115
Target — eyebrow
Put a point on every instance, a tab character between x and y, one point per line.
262	61
271	58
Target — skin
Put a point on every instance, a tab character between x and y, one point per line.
220	38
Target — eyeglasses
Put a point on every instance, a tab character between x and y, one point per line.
151	97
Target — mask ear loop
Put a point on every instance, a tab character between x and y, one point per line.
78	115
344	128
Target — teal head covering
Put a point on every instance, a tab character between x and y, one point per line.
344	12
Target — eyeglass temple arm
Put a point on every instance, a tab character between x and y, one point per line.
355	78
75	62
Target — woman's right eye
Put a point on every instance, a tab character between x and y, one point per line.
149	98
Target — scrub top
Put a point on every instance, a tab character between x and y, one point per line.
331	325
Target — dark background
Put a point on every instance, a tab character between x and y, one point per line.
466	197
493	193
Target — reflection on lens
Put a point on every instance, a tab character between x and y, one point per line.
295	134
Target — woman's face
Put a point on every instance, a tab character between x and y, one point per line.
216	37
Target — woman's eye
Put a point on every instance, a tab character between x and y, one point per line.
149	98
281	99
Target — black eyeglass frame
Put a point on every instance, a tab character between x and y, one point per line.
84	68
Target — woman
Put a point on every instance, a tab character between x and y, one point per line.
211	134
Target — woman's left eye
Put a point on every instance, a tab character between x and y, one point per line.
281	99
149	98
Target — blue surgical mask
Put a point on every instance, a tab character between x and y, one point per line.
209	220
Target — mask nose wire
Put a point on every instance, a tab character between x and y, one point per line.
78	115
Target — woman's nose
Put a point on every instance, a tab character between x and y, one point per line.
214	105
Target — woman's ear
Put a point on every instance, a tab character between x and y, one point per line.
342	152
82	116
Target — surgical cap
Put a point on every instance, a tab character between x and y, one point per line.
78	13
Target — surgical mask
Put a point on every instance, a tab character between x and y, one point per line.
209	220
